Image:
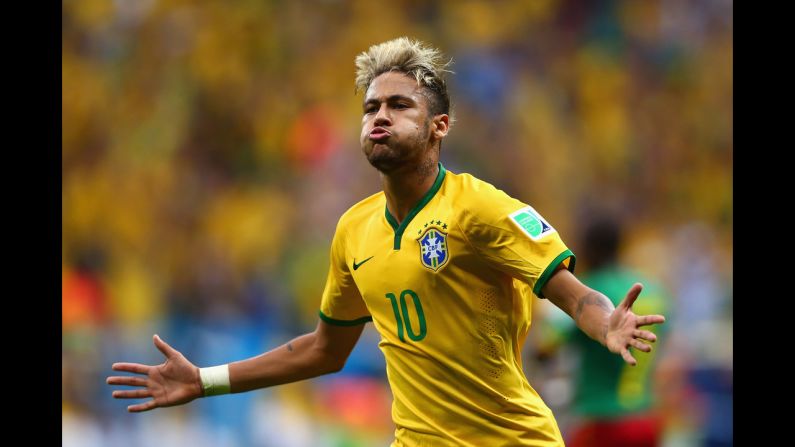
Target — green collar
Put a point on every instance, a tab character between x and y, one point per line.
437	184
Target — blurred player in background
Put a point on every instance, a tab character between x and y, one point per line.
444	265
612	401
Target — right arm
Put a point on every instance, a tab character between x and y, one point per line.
177	380
323	351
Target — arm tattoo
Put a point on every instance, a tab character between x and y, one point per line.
290	347
592	298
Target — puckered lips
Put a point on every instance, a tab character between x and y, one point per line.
379	134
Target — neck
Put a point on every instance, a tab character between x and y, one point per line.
403	188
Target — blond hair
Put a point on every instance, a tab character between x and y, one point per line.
412	58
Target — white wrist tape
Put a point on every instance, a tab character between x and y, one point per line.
215	380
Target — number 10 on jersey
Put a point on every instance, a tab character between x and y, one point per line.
406	320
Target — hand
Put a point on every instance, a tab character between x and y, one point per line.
175	382
622	330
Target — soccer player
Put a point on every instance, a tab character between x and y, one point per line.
444	265
612	399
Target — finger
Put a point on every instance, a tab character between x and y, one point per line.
632	295
639	345
146	406
126	380
628	357
645	320
131	367
167	350
644	335
131	394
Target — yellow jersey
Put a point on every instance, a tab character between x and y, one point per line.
449	290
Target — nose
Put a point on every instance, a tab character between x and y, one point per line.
382	118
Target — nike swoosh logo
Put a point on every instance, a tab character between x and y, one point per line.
356	266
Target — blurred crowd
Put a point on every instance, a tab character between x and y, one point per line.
209	149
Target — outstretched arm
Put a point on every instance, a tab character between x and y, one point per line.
321	352
177	381
617	328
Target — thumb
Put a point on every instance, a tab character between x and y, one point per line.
163	347
632	295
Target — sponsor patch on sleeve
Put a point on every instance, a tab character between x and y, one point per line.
529	221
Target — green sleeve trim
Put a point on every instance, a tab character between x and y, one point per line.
542	280
355	322
437	184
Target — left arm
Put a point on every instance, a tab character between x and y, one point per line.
616	328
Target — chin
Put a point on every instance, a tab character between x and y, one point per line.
383	158
384	164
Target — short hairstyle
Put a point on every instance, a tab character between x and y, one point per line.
412	58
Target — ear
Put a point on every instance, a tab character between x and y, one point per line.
440	126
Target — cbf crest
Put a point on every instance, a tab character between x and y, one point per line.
434	253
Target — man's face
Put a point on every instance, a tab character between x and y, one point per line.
396	122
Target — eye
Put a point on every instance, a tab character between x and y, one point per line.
401	106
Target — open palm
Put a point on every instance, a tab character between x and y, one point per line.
624	330
174	382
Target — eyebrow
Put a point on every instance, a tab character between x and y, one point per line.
388	99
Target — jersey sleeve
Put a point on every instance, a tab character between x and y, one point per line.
341	304
514	238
